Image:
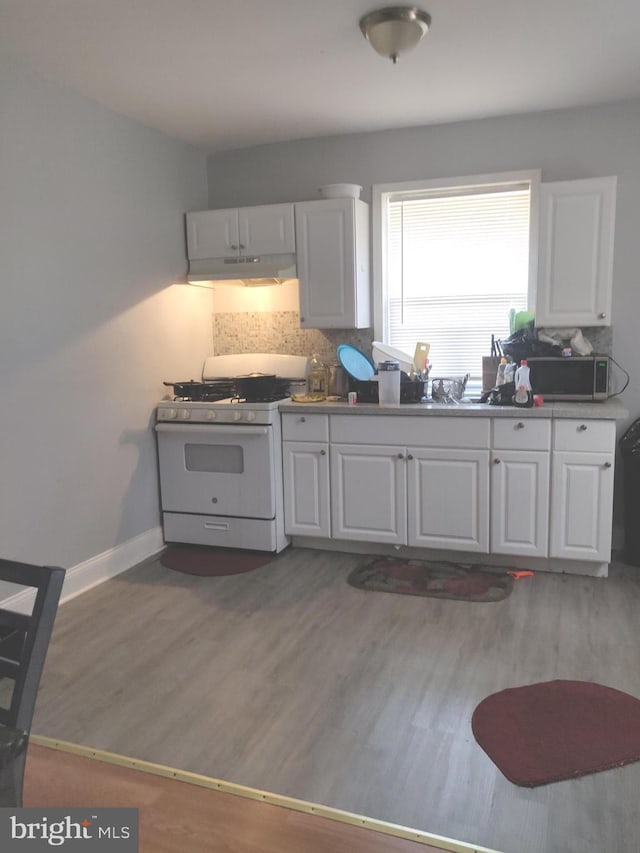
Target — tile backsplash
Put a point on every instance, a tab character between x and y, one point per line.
280	332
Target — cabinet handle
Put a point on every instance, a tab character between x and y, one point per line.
496	461
302	420
323	453
409	456
607	464
582	428
302	319
400	455
602	315
234	246
519	425
241	246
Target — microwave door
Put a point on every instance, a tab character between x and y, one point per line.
562	379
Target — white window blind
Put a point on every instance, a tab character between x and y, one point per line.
457	262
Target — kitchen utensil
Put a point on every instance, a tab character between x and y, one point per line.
260	386
355	362
449	390
383	352
421	355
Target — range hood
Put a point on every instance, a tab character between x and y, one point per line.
252	270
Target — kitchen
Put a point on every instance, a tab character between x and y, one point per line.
92	242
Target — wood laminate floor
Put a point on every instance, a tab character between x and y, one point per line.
289	680
177	817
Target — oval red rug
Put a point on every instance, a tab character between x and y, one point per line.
558	730
212	562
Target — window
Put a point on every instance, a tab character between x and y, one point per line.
453	260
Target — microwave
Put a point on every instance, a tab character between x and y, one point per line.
574	378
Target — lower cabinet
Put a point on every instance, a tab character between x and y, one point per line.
448	498
581	508
462	484
306	488
369	493
520	502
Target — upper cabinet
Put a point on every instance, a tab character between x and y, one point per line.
575	258
262	230
332	239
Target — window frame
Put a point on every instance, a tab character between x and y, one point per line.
379	196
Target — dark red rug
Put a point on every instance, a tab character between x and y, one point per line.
432	578
212	562
558	730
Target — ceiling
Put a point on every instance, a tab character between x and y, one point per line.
224	74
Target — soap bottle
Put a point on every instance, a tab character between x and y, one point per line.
524	394
317	381
501	378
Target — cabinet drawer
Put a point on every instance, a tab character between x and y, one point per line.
516	434
594	436
300	427
417	431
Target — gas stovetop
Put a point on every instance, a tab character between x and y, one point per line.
216	398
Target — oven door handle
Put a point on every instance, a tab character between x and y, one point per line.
213	429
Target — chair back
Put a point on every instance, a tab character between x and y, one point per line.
24	639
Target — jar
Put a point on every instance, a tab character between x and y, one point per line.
317	379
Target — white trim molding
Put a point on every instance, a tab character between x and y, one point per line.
96	570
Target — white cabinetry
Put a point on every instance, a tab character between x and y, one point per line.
428	488
262	230
582	490
332	239
520	487
306	475
369	493
448	498
576	253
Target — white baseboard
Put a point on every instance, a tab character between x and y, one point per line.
96	570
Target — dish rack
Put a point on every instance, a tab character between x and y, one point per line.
448	390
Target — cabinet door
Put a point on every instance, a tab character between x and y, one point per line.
306	488
333	263
212	234
576	253
449	499
266	230
520	503
368	493
581	506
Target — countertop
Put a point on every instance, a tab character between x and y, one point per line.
608	410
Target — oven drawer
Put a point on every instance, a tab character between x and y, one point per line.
217	530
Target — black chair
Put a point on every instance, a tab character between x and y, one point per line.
24	640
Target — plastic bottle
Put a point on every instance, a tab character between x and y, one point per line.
524	393
510	371
317	380
501	378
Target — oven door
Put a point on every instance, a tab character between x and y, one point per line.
217	470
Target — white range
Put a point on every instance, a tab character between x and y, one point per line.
220	461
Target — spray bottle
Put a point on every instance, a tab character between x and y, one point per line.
524	394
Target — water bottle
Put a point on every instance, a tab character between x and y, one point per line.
501	376
389	383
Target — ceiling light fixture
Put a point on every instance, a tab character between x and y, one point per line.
395	29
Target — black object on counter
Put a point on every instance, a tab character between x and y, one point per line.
411	390
524	344
630	449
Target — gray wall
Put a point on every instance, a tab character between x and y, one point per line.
91	239
569	144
